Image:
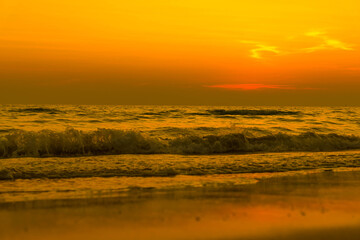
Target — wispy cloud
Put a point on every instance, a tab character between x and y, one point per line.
260	47
327	42
252	86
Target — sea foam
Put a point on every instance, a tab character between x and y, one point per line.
167	165
72	142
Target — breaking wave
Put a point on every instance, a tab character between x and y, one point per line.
72	142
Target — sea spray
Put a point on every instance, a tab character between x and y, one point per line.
72	142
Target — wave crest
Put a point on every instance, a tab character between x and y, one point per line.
72	142
239	143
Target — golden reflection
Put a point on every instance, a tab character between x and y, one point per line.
282	208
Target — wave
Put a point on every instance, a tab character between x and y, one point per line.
36	110
280	142
72	142
252	112
223	112
162	112
166	165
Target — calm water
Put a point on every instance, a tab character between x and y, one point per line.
314	206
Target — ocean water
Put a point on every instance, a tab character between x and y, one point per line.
66	130
60	149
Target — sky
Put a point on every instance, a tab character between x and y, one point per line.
188	52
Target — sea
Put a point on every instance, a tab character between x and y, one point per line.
88	151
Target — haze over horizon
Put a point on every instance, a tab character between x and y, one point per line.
180	52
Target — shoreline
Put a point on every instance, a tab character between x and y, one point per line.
298	206
191	185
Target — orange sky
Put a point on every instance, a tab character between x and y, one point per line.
226	52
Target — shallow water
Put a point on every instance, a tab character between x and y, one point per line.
169	165
311	206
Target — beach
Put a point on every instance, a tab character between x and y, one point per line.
179	120
319	204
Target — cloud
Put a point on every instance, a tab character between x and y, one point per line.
260	47
252	86
314	33
327	42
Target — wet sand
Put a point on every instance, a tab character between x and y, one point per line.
323	205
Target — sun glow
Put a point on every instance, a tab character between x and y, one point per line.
175	46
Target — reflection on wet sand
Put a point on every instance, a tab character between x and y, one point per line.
312	206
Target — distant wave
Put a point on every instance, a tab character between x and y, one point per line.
162	112
36	110
72	142
251	112
216	112
224	112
